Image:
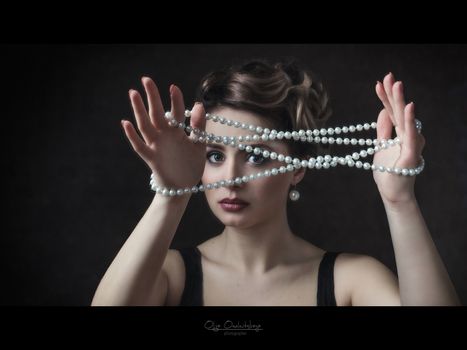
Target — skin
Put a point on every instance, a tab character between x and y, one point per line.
257	259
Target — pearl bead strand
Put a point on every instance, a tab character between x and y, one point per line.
264	134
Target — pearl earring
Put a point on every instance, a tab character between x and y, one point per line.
294	194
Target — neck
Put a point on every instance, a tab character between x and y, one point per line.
259	248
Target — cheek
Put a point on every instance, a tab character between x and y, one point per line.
271	188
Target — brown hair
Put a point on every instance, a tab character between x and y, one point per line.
283	93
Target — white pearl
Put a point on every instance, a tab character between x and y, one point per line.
288	159
273	155
294	195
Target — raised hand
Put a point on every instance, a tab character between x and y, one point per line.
170	154
396	113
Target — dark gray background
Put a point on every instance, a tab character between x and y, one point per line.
75	189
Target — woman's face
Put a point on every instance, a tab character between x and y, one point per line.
266	196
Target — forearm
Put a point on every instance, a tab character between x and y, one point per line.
137	265
423	279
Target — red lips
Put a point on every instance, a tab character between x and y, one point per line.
233	201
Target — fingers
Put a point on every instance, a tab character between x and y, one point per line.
388	82
413	141
136	142
198	117
399	105
156	108
381	93
141	115
411	134
177	104
384	125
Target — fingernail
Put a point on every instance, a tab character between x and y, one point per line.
171	88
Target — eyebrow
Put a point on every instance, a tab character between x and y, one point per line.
219	146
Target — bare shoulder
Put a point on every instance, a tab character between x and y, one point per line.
174	269
364	280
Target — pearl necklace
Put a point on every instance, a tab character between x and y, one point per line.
317	136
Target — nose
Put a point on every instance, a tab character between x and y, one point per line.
234	170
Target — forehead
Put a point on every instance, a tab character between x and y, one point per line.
246	117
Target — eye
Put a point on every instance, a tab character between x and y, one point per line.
216	155
259	159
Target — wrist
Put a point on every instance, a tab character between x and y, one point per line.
173	200
402	205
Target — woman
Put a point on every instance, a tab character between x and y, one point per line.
257	259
